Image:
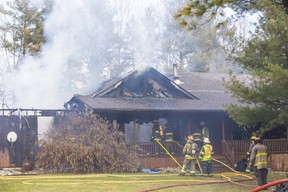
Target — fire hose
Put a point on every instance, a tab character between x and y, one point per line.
271	184
174	158
226	176
282	188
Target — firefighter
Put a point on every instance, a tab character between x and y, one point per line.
169	140
200	133
161	132
191	151
197	139
168	134
252	144
251	147
169	137
158	134
205	130
259	161
205	156
157	138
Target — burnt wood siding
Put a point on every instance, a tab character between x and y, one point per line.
27	135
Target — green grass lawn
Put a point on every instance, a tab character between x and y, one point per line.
124	182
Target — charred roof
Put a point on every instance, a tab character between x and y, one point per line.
149	90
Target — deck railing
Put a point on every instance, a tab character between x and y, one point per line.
274	145
154	149
228	151
229	147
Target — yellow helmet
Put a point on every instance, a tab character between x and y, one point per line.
253	138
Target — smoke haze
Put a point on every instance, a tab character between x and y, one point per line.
77	31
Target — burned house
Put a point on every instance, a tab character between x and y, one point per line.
139	104
178	103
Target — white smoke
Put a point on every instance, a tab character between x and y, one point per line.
77	32
45	82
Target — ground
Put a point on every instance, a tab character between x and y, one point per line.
141	182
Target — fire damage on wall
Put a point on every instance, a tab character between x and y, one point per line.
147	98
19	135
144	100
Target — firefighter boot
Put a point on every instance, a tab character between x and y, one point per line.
182	174
192	173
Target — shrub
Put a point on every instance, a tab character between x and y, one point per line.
86	144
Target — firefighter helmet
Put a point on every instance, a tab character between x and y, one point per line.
190	137
206	140
253	138
258	140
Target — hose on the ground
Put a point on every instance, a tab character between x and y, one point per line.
226	176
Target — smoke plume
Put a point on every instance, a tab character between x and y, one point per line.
77	32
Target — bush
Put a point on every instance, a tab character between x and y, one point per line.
86	144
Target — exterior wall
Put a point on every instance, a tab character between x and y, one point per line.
278	162
160	162
180	123
4	158
24	146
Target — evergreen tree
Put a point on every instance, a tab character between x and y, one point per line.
22	31
189	15
263	98
266	58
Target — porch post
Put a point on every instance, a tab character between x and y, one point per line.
223	130
190	126
134	130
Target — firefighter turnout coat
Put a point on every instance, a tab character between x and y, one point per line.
190	150
206	152
259	156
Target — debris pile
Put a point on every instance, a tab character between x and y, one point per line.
16	171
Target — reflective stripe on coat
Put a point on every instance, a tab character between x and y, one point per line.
206	152
259	156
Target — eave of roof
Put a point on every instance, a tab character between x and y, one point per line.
207	87
214	103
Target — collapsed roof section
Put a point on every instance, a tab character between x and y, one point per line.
144	84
